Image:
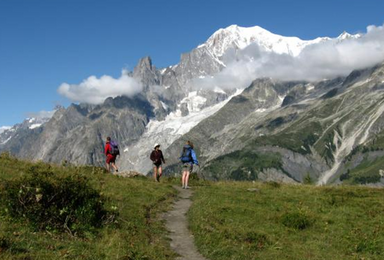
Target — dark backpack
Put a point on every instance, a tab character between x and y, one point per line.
114	148
186	155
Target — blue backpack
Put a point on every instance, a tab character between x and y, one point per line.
186	155
114	148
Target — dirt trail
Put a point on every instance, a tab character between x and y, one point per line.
176	223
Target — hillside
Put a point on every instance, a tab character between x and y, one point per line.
228	220
137	232
307	128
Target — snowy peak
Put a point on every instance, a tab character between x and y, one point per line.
240	37
4	128
29	124
234	36
346	36
33	122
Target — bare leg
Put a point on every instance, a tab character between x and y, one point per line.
155	173
108	168
115	167
183	179
186	179
160	170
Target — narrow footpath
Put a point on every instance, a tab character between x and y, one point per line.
177	224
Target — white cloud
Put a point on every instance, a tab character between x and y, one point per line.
324	60
41	115
95	90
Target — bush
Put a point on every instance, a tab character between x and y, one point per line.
366	178
4	244
273	184
52	201
307	179
296	220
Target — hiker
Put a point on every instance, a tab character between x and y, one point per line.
111	151
188	158
157	159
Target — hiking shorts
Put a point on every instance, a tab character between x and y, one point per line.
110	159
187	167
157	165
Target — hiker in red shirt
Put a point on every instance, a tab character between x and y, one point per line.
111	158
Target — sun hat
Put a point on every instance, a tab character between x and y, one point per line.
156	145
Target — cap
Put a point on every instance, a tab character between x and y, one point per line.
156	145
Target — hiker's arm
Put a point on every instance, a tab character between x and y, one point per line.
106	149
194	158
162	157
152	156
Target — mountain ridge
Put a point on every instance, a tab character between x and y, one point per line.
171	101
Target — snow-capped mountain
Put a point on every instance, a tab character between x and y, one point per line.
29	124
241	37
4	128
346	36
173	108
166	131
324	131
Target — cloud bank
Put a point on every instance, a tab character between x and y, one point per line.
325	60
95	90
42	114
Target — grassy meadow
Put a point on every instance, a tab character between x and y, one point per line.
137	232
273	221
229	220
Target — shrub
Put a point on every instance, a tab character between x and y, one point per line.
273	184
5	155
4	244
52	201
345	176
366	178
307	179
296	220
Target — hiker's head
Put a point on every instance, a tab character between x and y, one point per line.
156	147
190	144
108	139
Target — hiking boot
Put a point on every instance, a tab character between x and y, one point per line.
187	187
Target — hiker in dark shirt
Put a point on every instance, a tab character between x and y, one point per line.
111	157
157	159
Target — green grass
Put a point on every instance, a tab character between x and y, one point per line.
291	138
377	143
288	221
366	172
242	165
138	234
273	221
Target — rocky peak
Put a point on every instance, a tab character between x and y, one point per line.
146	72
144	63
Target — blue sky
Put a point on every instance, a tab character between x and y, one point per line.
46	43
